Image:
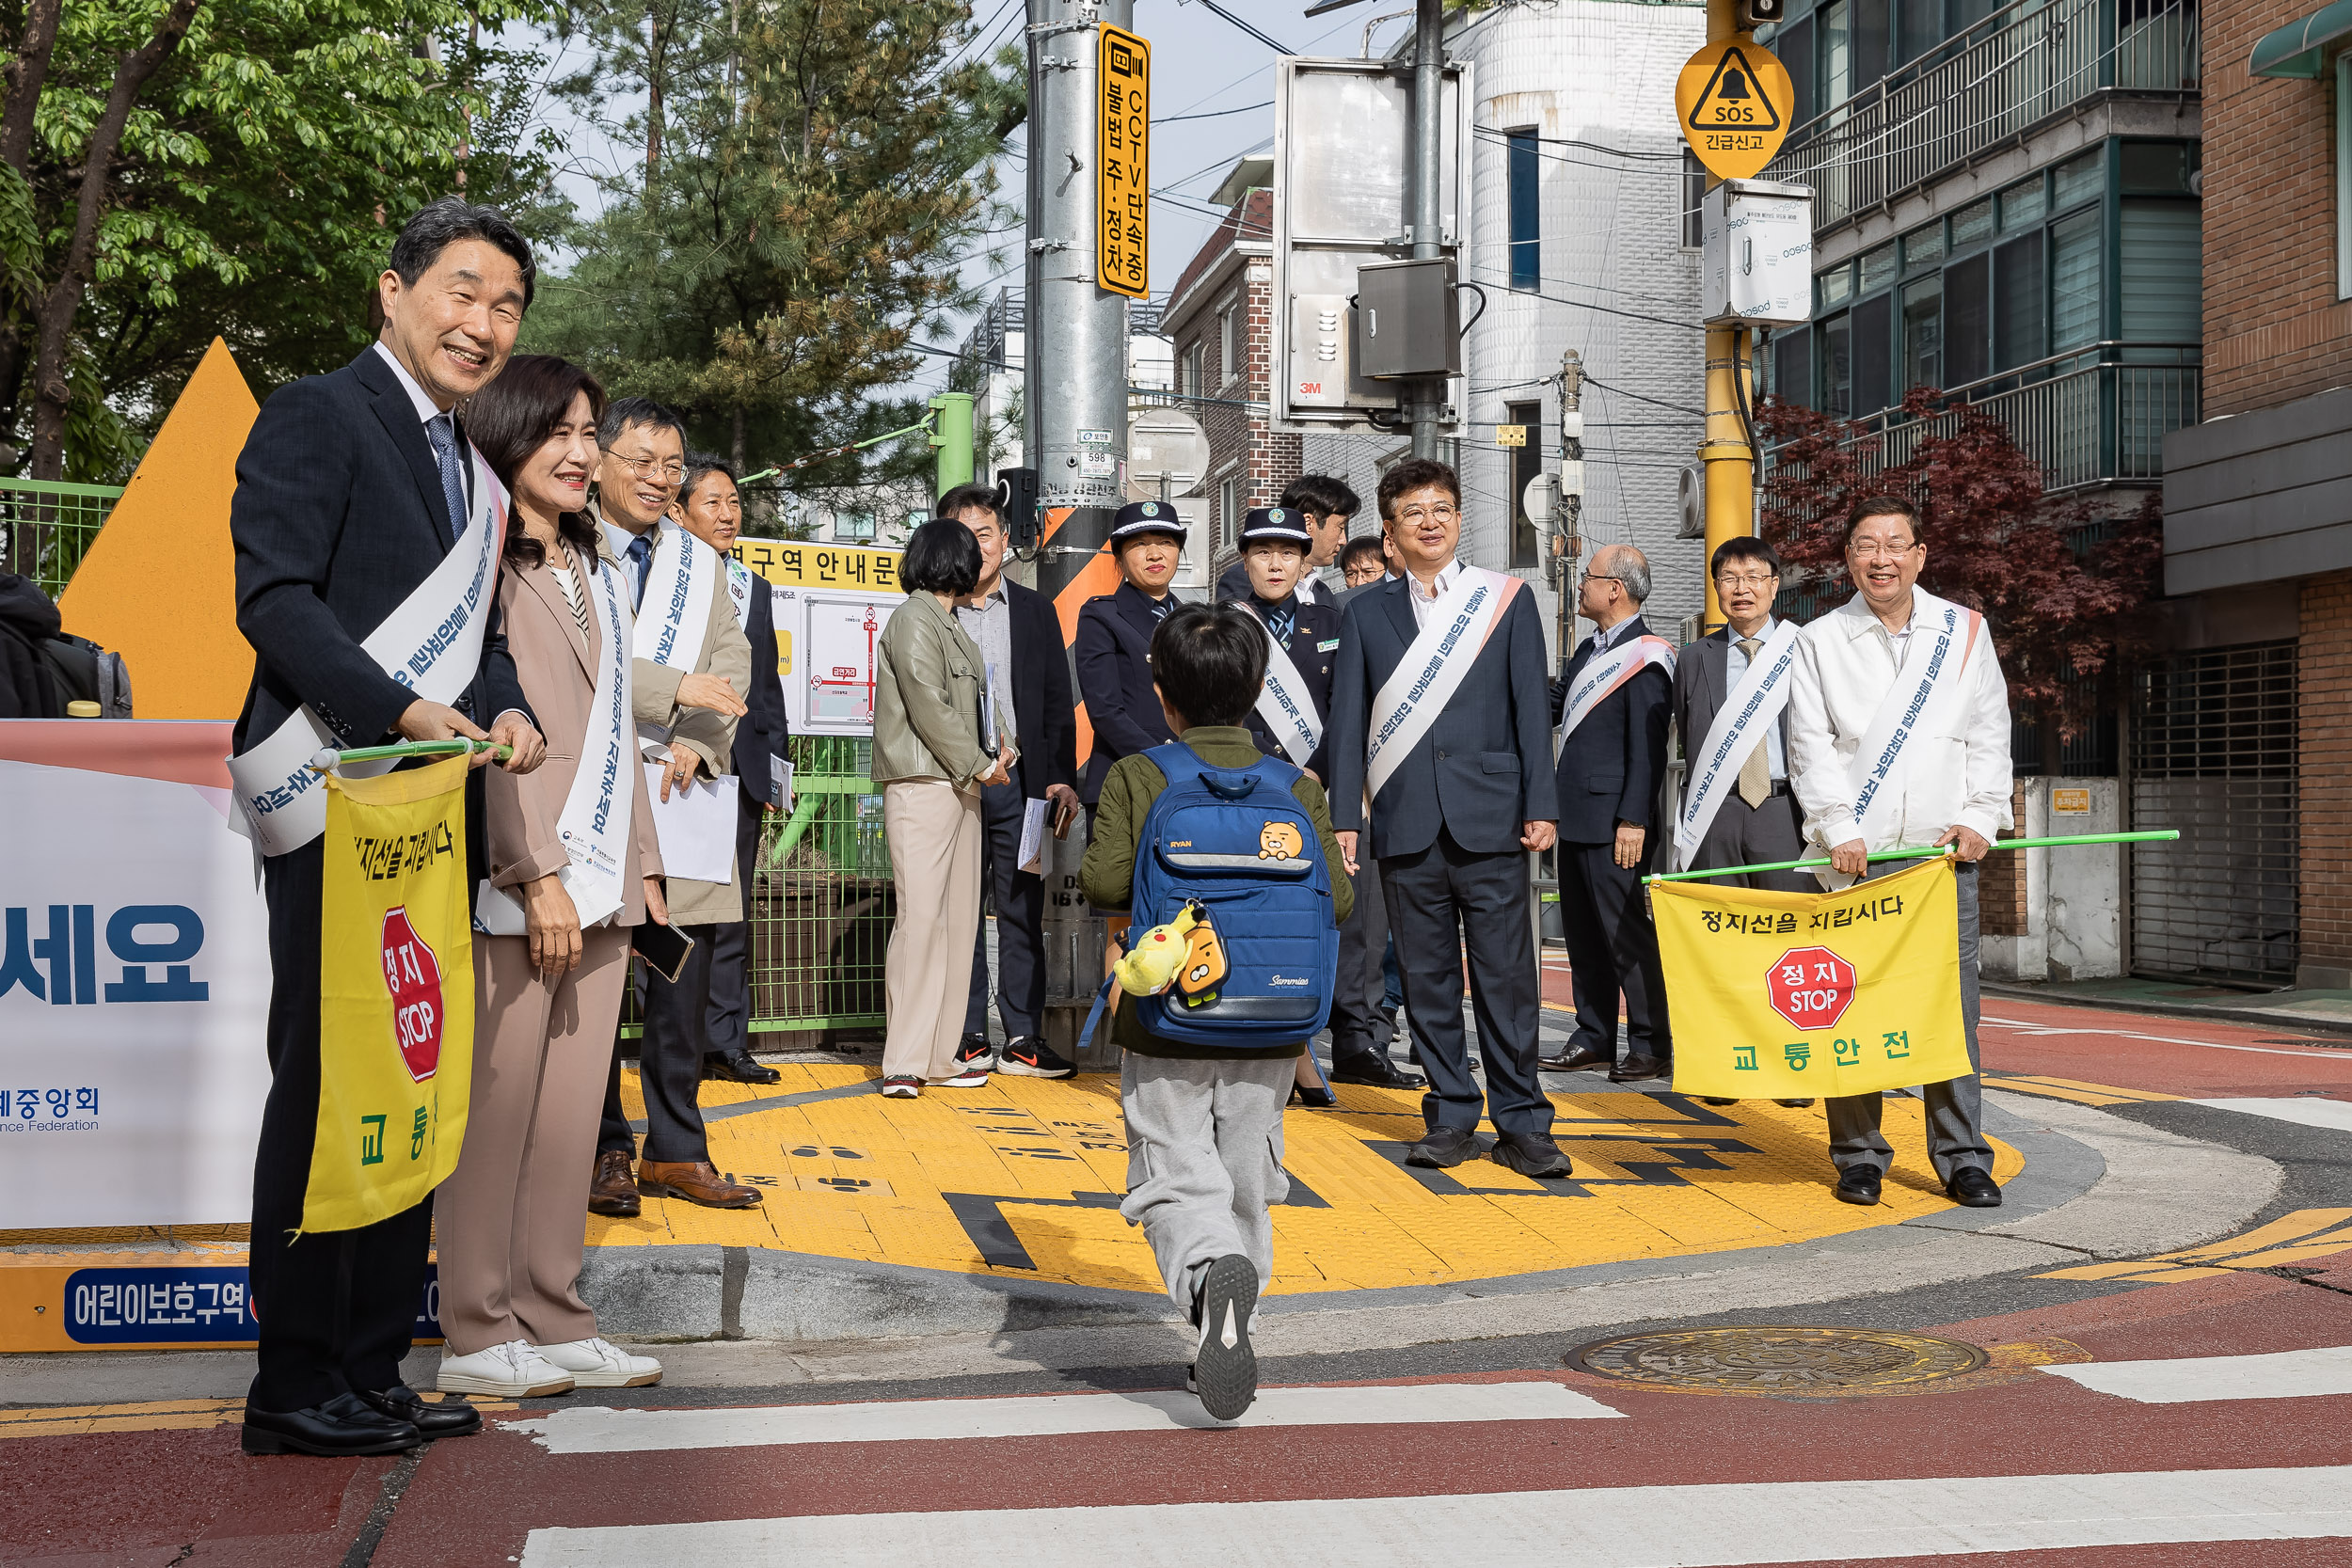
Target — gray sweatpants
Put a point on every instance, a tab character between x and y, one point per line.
1204	1162
1955	1109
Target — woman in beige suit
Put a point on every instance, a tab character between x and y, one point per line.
509	1218
931	761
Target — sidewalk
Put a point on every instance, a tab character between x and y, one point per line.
2327	1011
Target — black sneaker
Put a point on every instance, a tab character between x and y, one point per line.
975	1052
1225	1375
1029	1057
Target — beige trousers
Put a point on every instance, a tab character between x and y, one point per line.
512	1218
934	831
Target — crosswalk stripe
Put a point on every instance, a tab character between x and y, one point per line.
599	1429
2303	1109
2281	1375
1639	1527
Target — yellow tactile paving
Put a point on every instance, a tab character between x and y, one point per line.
1021	1180
2291	1239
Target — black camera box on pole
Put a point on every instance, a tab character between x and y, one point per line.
1407	320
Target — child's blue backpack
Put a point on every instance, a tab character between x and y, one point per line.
1238	845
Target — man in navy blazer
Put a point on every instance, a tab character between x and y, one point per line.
351	488
1452	826
1611	765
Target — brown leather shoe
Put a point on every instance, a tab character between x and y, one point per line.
614	1193
696	1183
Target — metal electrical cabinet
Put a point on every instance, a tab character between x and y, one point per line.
1407	319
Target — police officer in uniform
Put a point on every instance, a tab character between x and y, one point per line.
1274	545
1113	641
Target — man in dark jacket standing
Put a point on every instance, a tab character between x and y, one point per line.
351	490
1613	707
1028	673
27	620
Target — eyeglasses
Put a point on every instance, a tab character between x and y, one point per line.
1440	512
1760	581
1601	577
671	472
1870	549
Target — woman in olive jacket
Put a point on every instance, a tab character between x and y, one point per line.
930	760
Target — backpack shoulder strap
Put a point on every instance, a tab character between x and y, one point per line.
1175	760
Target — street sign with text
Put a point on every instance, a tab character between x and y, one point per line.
1122	151
1734	101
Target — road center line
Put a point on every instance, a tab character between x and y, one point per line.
2281	1375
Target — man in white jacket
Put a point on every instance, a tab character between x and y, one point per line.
1899	733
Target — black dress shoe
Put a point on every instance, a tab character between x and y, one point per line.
1313	1096
1575	1059
1529	1154
1634	1069
1793	1104
738	1065
1859	1185
1973	1187
343	1426
1710	1100
453	1417
1375	1071
1442	1147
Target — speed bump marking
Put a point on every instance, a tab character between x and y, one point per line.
1023	1178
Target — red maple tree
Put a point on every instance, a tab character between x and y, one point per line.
2063	583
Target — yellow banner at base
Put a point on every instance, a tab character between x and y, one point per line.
396	998
1790	995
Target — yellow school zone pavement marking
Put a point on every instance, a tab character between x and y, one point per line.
2074	1089
1022	1180
2291	1239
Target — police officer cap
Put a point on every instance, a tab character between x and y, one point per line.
1140	517
1284	525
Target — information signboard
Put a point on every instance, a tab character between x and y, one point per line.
1122	147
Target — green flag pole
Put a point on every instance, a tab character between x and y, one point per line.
330	758
2158	835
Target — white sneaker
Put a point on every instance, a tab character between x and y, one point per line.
600	1364
512	1371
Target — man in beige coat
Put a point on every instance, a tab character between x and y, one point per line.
642	449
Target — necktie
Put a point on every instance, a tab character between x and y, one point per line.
640	563
1161	607
442	431
1279	621
1756	774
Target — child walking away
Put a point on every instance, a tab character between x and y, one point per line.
1225	860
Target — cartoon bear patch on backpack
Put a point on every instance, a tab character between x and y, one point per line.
1280	841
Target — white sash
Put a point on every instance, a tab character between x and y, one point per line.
1751	708
1924	690
739	581
594	826
1611	670
1283	703
679	581
1425	679
430	643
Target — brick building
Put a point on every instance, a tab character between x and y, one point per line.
2242	733
1219	317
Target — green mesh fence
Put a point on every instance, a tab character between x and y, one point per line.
46	527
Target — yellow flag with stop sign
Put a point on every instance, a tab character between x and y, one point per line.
1795	995
396	998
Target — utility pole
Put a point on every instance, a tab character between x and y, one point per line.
951	434
1428	396
1730	459
1074	406
1567	544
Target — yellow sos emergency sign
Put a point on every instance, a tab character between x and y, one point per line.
1734	100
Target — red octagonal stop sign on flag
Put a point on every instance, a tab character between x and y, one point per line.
1811	987
413	975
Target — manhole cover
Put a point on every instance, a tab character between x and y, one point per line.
1768	1360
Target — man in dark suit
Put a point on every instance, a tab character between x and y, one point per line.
351	488
1028	673
1461	791
1325	503
1612	761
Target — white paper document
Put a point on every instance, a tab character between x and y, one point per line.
696	826
1033	838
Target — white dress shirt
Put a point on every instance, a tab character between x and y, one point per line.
1846	665
1439	586
1735	666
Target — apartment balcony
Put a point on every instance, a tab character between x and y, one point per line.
2025	67
2092	416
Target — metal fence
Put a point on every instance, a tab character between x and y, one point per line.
46	527
2027	62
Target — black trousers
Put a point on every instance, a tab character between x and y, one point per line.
1743	834
336	1307
728	1021
1359	1012
1612	947
669	1064
1019	900
1443	901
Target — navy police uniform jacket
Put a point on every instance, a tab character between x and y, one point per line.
1113	655
1313	646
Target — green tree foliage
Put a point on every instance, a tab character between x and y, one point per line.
814	171
249	191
